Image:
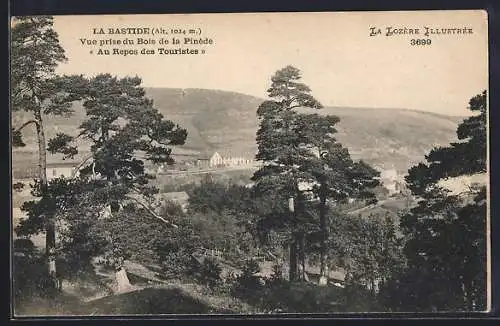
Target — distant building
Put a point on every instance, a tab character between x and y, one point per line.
25	165
218	159
390	180
56	170
203	162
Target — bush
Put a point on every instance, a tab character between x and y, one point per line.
277	278
248	284
356	298
30	277
210	273
177	265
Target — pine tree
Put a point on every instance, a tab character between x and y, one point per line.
125	131
446	233
37	90
301	148
279	145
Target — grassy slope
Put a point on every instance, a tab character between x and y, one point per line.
219	120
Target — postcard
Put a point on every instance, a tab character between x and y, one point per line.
250	164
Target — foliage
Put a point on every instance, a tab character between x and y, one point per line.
446	233
29	268
277	278
124	130
247	283
301	297
367	249
356	298
81	241
37	90
18	186
210	273
277	141
299	148
17	139
35	54
214	196
225	216
56	198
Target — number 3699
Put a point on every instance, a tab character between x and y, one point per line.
421	41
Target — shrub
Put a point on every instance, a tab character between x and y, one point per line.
248	284
210	273
277	278
356	298
177	265
30	277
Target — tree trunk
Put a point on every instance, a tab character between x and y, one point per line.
122	282
324	227
50	229
292	271
302	256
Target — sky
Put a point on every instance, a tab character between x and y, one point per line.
339	60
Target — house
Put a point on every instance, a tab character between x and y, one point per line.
216	160
203	162
389	178
228	159
56	170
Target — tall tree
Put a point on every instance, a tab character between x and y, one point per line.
125	130
279	143
301	148
446	233
35	89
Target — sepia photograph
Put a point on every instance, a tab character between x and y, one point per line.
250	164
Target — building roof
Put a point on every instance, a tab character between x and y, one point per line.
237	153
62	165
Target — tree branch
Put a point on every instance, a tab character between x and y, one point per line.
150	211
26	124
78	168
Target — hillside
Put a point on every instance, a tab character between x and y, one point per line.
226	121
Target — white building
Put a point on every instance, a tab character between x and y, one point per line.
229	160
390	179
60	170
216	160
